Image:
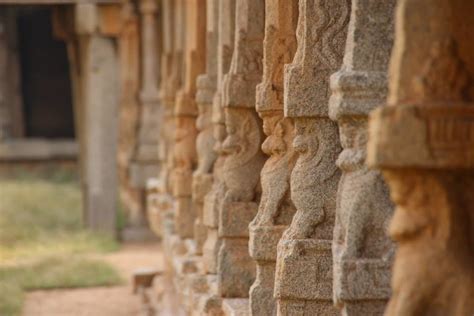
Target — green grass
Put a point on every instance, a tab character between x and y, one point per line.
42	242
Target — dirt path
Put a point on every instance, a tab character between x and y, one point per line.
98	301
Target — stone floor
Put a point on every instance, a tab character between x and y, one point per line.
100	301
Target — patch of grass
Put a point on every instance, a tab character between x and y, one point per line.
41	217
42	241
60	272
51	273
11	298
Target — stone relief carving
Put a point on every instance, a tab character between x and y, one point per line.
205	141
236	270
244	159
314	180
444	60
362	251
431	182
213	200
276	207
422	221
305	247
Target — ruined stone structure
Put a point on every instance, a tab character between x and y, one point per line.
282	149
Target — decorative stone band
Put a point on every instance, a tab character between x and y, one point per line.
438	136
356	93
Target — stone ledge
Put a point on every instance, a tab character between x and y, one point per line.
38	149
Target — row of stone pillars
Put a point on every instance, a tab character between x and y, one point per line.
265	200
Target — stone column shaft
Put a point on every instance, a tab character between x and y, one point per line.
129	112
303	283
213	200
424	143
185	155
275	210
146	156
244	161
362	253
96	90
206	85
149	90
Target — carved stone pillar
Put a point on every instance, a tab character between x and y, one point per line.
276	209
149	95
424	143
96	90
244	161
132	197
168	86
362	252
145	160
185	156
303	283
145	163
206	85
213	200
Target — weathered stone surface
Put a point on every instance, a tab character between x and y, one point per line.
185	156
213	200
235	307
236	270
146	151
275	210
362	252
206	88
423	143
96	89
128	44
303	281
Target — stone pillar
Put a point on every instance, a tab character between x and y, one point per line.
303	283
424	143
168	86
185	156
244	161
206	85
362	253
276	209
171	80
213	200
98	90
145	163
131	197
